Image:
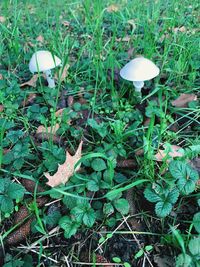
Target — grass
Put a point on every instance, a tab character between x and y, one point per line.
113	122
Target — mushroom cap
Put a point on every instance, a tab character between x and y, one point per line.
139	69
42	61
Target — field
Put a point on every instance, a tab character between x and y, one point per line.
93	172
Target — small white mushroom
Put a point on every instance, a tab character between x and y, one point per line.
44	61
139	70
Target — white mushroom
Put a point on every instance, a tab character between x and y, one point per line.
139	70
44	61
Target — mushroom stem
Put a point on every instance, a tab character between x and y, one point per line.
138	85
50	79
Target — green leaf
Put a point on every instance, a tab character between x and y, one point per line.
53	218
108	208
186	186
4	184
93	185
183	260
98	165
122	205
139	254
7	205
70	227
194	246
89	217
150	195
116	259
173	195
196	222
16	191
69	201
180	169
163	209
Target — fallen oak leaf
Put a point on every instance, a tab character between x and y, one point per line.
183	100
173	151
65	170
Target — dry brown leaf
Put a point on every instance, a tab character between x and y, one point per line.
40	39
175	152
112	8
179	29
2	19
63	73
183	100
1	108
32	82
29	99
48	130
1	76
66	23
66	170
124	39
59	112
132	23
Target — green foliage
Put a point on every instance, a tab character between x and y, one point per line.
192	258
185	176
163	196
9	191
196	222
165	193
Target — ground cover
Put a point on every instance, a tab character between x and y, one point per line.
93	173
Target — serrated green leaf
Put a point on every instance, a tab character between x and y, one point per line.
89	217
196	222
180	169
16	191
194	246
98	165
150	195
163	209
186	186
93	185
69	201
121	205
70	227
7	205
108	208
173	195
183	260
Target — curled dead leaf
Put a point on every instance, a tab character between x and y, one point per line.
2	19
32	82
132	23
66	170
172	151
1	76
48	130
29	99
66	23
112	8
40	39
179	29
1	108
183	100
63	73
124	39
